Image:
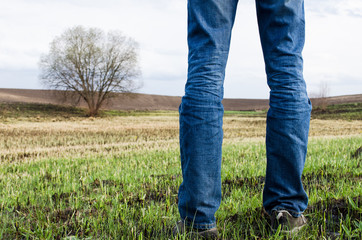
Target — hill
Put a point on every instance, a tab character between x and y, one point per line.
137	101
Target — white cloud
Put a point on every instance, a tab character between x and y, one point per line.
332	50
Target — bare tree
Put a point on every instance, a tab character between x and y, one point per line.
91	63
323	94
320	98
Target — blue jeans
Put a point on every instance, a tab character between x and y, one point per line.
281	28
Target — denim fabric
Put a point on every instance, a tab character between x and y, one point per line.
281	28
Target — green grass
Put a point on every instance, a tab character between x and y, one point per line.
351	111
134	194
125	184
136	113
261	113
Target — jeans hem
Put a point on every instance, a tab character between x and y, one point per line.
200	226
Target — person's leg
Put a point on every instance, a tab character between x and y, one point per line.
209	31
282	34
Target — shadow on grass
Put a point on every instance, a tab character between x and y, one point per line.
38	110
351	111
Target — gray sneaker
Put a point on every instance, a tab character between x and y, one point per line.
288	223
193	233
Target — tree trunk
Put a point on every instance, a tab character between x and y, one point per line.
92	110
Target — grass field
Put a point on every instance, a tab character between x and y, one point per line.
63	175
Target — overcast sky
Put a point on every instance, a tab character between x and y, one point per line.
332	54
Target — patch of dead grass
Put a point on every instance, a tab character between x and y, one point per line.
112	136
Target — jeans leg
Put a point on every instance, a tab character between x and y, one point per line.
282	33
209	31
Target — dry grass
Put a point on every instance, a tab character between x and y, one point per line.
80	137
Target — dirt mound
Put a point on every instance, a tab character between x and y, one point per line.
137	101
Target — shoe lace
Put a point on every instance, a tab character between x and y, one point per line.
281	214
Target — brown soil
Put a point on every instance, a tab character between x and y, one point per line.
136	101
